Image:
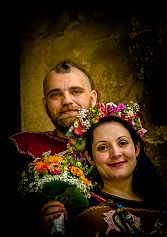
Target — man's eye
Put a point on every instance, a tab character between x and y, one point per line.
76	92
54	94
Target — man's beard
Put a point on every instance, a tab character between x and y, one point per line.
63	124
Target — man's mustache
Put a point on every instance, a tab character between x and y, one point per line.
66	109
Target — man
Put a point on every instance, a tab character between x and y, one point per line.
67	88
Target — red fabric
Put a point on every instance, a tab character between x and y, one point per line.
35	143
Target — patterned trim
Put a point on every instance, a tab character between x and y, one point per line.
20	151
52	134
49	134
90	209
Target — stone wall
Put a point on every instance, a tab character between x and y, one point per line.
100	40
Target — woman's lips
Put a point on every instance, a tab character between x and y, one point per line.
117	164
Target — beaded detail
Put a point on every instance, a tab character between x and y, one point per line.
131	227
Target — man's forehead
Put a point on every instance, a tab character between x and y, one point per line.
73	78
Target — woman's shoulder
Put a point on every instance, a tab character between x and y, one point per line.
109	214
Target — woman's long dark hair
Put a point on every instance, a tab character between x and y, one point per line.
146	181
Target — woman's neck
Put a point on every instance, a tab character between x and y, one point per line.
122	189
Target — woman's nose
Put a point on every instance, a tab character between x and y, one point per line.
115	151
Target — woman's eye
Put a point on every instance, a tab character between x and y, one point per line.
123	143
102	148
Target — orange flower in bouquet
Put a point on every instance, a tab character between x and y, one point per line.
59	177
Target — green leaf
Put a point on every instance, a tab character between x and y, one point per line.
54	188
73	198
69	133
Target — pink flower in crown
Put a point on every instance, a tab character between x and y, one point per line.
117	108
78	131
135	115
120	107
128	119
110	109
103	109
131	121
113	108
142	131
124	116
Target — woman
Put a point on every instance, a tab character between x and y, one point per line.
130	199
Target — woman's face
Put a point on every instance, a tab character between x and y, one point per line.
114	152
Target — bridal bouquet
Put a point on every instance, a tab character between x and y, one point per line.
59	177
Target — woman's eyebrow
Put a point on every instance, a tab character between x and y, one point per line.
123	137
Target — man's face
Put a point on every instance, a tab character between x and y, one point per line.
65	94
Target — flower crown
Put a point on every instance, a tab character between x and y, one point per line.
88	117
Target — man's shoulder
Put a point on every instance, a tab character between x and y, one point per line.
35	143
30	142
27	135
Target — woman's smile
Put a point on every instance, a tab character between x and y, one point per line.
117	164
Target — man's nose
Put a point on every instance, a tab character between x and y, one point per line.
67	99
